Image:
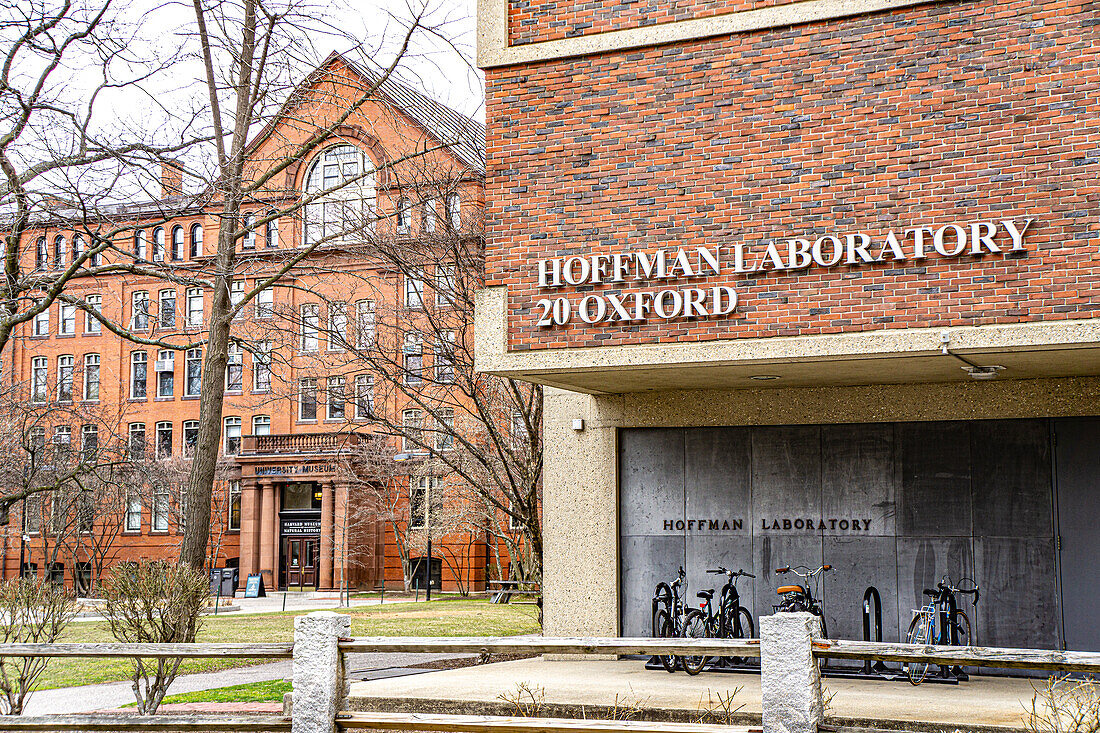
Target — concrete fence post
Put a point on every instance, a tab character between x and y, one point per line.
790	678
319	687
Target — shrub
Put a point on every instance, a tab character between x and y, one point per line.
31	612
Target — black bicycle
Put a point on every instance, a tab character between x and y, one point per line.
801	597
670	615
732	621
940	622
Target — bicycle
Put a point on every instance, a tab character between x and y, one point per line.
801	597
733	621
940	622
670	618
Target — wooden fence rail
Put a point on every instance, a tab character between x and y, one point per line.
967	656
500	724
556	645
151	651
164	723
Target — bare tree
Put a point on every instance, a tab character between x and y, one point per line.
31	612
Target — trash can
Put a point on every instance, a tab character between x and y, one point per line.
215	579
229	580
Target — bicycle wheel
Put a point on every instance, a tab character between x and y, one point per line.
962	627
747	631
919	631
696	627
666	629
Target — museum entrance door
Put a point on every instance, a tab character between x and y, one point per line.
300	556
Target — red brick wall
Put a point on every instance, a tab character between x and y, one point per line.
532	21
947	112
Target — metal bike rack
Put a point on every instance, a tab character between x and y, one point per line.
872	594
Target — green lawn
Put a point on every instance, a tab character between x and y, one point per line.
438	618
271	691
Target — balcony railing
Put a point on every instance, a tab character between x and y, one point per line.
301	443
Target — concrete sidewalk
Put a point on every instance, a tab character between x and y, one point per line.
570	688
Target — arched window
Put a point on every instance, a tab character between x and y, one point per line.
59	252
404	216
196	240
177	242
249	240
349	208
141	246
158	244
40	254
78	247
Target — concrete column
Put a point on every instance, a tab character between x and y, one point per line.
318	672
790	677
250	523
276	550
339	533
267	533
326	549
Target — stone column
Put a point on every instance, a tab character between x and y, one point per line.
340	569
318	672
267	533
790	677
326	549
276	550
250	523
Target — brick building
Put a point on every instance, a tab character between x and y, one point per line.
808	282
296	500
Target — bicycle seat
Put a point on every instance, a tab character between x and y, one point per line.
930	592
788	589
706	595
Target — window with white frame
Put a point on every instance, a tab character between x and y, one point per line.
248	241
234	369
414	290
136	444
261	367
234	520
91	323
133	513
40	388
78	247
413	352
311	323
160	510
445	358
193	372
271	234
364	323
337	325
454	213
158	244
190	437
139	374
419	502
63	442
32	515
91	377
177	242
194	307
196	240
139	310
236	295
265	303
60	252
65	368
165	368
446	279
141	245
166	314
337	398
427	216
66	319
444	437
36	439
89	443
364	396
307	398
404	216
163	440
344	174
232	436
42	323
41	254
261	424
412	423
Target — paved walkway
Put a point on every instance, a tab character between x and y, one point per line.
992	703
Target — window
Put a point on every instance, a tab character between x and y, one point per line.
271	234
139	310
91	377
40	390
158	244
236	295
32	515
414	359
419	501
89	442
193	375
261	367
445	284
404	216
177	242
445	358
167	312
66	319
65	365
194	307
234	368
37	439
307	398
343	171
166	373
364	323
311	322
234	505
190	437
138	374
78	248
261	425
248	241
42	323
164	440
160	510
265	303
41	254
141	246
91	323
427	217
133	513
336	398
196	240
445	439
412	422
232	436
337	326
454	213
59	252
364	396
414	290
137	441
62	441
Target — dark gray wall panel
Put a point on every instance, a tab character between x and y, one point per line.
646	561
774	550
857	475
922	562
934	479
1077	458
717	472
1012	479
786	465
651	480
1018	607
709	551
859	562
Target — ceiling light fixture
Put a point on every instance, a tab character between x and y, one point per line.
983	373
